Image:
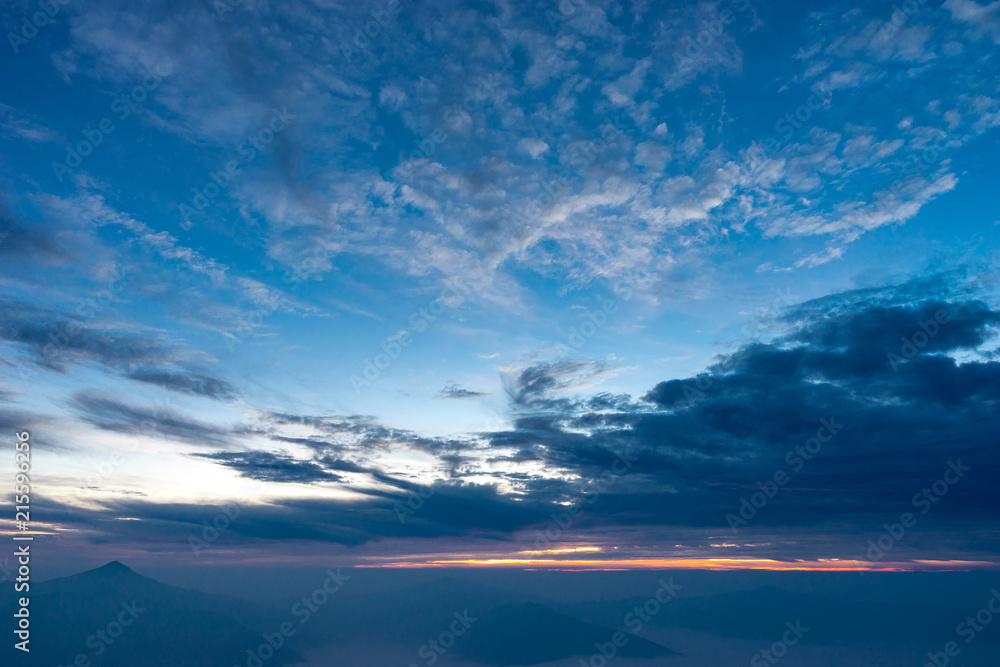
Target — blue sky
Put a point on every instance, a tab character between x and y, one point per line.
507	215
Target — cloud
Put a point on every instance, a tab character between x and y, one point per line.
980	19
15	419
452	390
23	241
15	123
551	158
456	510
110	414
186	383
57	340
536	382
273	467
92	209
527	198
533	147
694	446
818	259
363	432
702	442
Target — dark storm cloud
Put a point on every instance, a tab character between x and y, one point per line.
880	363
271	467
694	447
173	524
894	351
456	510
606	401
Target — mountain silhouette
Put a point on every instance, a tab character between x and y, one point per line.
528	634
509	629
116	617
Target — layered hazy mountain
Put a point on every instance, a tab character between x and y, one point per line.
112	616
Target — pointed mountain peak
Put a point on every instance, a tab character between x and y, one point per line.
114	568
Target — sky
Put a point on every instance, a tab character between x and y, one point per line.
559	284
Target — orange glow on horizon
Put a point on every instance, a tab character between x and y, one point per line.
569	550
821	565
